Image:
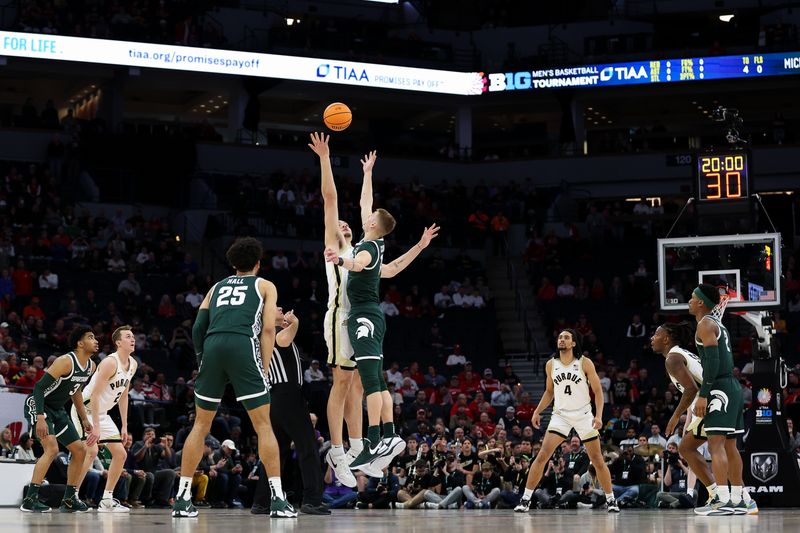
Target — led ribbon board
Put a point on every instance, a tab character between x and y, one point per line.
147	55
648	72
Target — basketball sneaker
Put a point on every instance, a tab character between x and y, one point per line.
33	505
73	504
740	508
612	506
279	508
752	507
392	447
715	508
183	509
341	467
367	455
523	506
369	470
111	505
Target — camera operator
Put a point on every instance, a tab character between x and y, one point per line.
554	484
514	478
484	489
576	459
675	495
380	493
419	481
627	472
448	469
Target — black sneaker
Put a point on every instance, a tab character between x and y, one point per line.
612	506
307	508
73	505
523	507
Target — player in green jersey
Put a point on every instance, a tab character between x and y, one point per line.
366	325
44	410
234	335
720	405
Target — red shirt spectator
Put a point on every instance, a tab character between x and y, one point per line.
488	383
525	408
470	384
33	309
27	381
166	309
461	402
455	387
408	309
394	295
547	291
415	374
23	280
486	424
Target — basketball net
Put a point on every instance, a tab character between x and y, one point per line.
719	309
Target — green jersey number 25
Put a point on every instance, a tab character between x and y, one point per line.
231	296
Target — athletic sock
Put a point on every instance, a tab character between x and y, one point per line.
33	491
109	495
276	488
690	492
388	430
610	497
528	494
185	488
357	445
69	492
746	496
337	450
374	435
724	494
712	490
736	494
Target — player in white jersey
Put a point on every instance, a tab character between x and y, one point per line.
568	380
686	373
108	387
345	399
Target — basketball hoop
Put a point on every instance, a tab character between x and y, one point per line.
719	309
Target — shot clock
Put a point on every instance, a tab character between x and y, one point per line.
723	176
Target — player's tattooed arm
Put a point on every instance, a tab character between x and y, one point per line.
392	269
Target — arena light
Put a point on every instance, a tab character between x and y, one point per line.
726	17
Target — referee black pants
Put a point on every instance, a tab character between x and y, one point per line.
291	423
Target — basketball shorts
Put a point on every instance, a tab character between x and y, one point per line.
340	351
724	414
234	359
58	423
562	422
695	425
366	327
109	432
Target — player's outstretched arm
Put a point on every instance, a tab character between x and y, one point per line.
392	269
354	264
367	163
676	366
330	198
597	390
267	338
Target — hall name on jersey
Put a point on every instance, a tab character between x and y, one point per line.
234	281
120	383
567	376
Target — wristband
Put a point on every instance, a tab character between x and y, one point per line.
340	262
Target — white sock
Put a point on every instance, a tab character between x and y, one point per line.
337	450
746	496
712	490
528	494
356	445
736	494
184	488
690	492
276	488
108	495
610	497
724	494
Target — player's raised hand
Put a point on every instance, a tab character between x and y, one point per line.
319	144
330	255
289	318
428	235
368	161
536	420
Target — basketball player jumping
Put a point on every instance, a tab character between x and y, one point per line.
569	377
720	404
108	387
235	325
44	410
686	373
344	402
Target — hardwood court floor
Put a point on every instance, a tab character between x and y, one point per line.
552	521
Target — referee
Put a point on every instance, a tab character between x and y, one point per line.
291	421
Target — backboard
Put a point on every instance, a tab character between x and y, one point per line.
747	267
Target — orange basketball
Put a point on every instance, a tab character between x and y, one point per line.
337	116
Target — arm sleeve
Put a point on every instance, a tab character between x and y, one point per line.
199	332
710	366
38	392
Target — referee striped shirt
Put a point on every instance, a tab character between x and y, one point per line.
285	367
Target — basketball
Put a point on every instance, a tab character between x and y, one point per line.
337	116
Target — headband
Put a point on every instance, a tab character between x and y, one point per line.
706	300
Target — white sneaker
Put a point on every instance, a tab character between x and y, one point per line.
341	466
368	469
111	505
391	448
430	505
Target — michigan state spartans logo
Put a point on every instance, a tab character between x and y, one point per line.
366	329
719	402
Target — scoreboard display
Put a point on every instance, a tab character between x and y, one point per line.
723	176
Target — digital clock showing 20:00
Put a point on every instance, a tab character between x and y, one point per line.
722	176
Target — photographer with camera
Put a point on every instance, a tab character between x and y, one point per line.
554	484
484	489
515	476
675	495
419	481
627	471
449	497
380	493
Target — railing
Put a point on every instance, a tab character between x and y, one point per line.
531	348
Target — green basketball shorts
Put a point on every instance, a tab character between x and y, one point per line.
366	327
724	415
58	423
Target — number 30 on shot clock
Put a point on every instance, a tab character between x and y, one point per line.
723	176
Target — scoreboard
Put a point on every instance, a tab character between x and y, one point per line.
723	176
